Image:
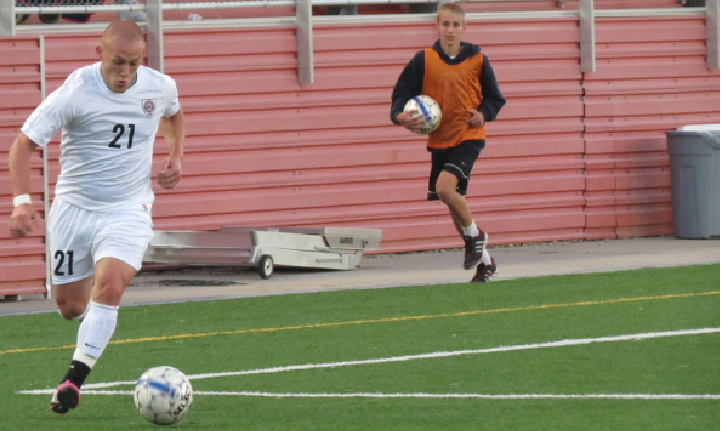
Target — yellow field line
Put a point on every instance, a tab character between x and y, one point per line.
382	320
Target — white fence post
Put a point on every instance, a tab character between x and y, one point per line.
155	34
304	41
7	18
712	30
587	38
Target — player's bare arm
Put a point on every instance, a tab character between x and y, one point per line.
24	218
173	129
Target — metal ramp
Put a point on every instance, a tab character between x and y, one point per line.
264	247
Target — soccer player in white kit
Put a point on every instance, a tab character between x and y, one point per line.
100	221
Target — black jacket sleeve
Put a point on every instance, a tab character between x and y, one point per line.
491	99
408	85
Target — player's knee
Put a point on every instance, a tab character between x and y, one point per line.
446	187
445	193
109	290
70	309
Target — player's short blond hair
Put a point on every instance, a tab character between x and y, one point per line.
450	7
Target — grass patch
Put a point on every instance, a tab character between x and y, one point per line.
359	325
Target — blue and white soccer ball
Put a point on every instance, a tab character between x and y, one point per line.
163	395
427	107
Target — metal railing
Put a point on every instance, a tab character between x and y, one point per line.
304	20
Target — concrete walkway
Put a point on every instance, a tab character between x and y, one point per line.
378	271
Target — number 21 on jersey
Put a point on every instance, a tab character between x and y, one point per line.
119	131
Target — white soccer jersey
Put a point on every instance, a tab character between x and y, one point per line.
106	146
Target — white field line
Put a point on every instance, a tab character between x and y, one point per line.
420	395
88	389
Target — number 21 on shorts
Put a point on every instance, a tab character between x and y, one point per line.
64	262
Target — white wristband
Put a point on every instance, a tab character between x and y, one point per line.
22	199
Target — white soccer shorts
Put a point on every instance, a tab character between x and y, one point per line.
80	238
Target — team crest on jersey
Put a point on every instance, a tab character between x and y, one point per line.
149	107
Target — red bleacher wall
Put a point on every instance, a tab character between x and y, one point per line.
572	155
22	267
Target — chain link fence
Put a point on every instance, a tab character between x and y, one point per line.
81	11
135	10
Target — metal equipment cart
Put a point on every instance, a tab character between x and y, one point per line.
264	247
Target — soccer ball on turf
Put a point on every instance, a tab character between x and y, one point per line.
163	395
427	107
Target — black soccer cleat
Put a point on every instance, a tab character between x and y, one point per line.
474	249
66	397
485	272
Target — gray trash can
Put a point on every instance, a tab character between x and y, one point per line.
695	162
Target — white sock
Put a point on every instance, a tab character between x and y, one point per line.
84	313
471	230
90	361
485	258
96	330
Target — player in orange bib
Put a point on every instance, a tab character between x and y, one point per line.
459	77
